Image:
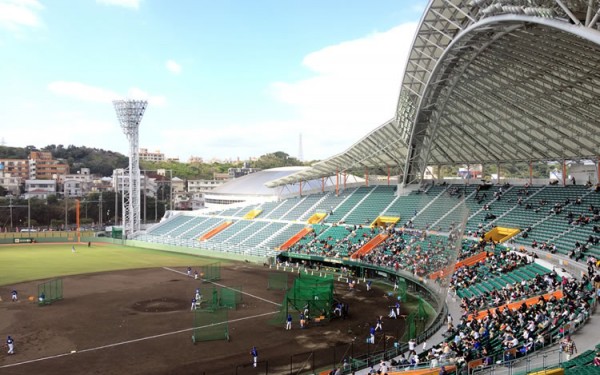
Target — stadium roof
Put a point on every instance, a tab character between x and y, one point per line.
490	81
386	139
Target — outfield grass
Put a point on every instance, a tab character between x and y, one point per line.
23	262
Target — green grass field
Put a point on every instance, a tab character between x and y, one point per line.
20	263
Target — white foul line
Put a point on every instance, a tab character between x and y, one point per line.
225	286
135	340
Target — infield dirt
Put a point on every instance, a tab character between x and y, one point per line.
139	322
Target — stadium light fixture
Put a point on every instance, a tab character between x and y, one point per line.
130	113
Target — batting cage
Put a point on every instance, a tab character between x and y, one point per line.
211	272
50	291
221	297
278	281
210	326
231	297
311	296
416	321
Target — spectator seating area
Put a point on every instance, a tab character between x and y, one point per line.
552	218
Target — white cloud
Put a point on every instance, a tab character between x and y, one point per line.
173	67
15	14
80	91
83	92
354	88
133	4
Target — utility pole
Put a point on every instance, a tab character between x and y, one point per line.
29	212
100	212
145	178
171	189
66	204
10	206
116	197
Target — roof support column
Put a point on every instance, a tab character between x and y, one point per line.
482	177
530	172
498	171
564	172
388	176
468	174
345	179
598	170
337	183
366	177
300	187
439	174
322	184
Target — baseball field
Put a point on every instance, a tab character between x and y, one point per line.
126	310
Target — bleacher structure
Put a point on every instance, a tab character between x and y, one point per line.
433	209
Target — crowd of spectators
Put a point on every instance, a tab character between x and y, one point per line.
506	334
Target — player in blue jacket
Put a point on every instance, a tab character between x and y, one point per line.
254	353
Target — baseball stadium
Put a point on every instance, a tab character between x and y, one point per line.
374	259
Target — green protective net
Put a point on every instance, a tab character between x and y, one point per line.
309	293
278	281
50	291
210	326
211	272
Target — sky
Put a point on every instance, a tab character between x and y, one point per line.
223	79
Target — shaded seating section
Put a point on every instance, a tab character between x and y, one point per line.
370	208
334	241
304	206
442	205
412	251
473	260
346	206
499	201
282	208
369	246
474	205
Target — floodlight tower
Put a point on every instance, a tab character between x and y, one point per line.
129	113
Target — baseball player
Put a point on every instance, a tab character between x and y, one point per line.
193	304
254	354
379	325
288	323
198	295
73	249
371	339
189	271
11	345
14	296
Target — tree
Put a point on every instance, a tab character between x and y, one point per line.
275	160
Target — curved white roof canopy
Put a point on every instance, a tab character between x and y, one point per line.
490	81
